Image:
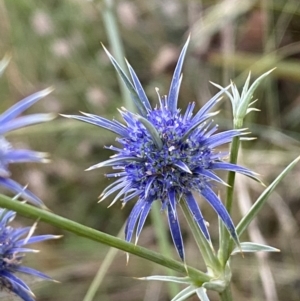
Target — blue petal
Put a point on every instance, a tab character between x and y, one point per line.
143	217
140	105
222	138
114	188
119	194
233	167
30	271
148	186
114	148
211	131
111	185
19	290
175	84
196	212
182	166
23	155
139	89
218	206
4	172
24	192
35	239
19	233
162	101
189	112
132	219
14	278
116	175
22	105
208	174
6	216
24	121
195	125
175	232
21	250
116	161
109	123
102	122
172	200
130	119
132	195
212	102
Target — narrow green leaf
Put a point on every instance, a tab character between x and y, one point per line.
251	247
201	293
185	293
184	280
247	95
246	85
256	207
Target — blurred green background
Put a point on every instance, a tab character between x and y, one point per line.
57	43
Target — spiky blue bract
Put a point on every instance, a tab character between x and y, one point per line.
9	121
13	247
166	156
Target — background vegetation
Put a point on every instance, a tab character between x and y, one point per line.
57	43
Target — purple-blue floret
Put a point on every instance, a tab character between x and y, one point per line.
11	120
13	247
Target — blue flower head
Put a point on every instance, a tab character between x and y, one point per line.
166	156
10	121
13	246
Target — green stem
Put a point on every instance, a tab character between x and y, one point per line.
224	235
231	176
112	31
109	240
226	294
206	249
164	246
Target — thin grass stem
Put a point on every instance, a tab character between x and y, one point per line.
109	240
106	263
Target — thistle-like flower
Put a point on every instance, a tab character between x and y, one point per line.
13	246
166	156
10	121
